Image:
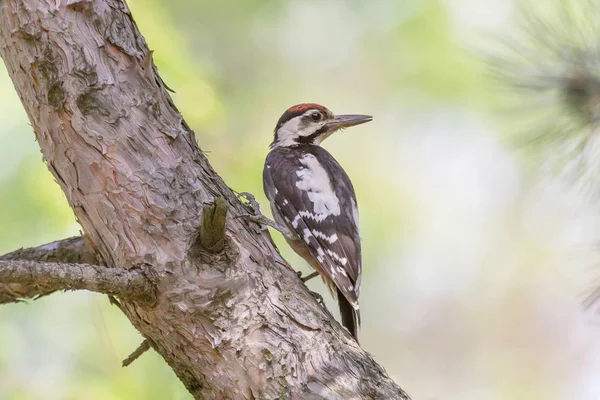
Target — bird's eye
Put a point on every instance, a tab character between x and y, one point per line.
316	116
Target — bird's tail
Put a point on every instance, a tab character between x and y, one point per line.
350	316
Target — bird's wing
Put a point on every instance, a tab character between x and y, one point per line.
316	200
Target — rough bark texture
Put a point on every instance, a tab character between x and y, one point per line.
233	325
73	250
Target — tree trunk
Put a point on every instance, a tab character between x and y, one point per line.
233	324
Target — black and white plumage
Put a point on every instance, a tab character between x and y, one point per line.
311	195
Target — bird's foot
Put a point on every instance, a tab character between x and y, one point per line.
264	221
319	298
249	201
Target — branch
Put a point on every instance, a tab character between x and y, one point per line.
33	279
72	250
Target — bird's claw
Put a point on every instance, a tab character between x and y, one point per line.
261	220
250	202
258	218
319	298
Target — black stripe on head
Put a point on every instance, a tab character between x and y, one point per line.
310	138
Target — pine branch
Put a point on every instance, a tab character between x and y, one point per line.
32	279
71	250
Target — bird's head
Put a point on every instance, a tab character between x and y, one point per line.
311	124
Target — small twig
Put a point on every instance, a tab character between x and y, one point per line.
212	231
308	277
142	348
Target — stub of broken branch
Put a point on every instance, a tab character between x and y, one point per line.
212	231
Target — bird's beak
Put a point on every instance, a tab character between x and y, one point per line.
345	121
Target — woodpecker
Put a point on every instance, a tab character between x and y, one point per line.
313	201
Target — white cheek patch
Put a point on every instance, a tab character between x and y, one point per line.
291	131
314	180
286	135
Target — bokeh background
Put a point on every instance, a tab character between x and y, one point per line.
476	262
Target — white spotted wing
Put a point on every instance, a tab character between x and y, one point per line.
312	195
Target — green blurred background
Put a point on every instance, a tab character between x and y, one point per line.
474	266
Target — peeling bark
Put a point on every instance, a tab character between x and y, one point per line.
237	324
